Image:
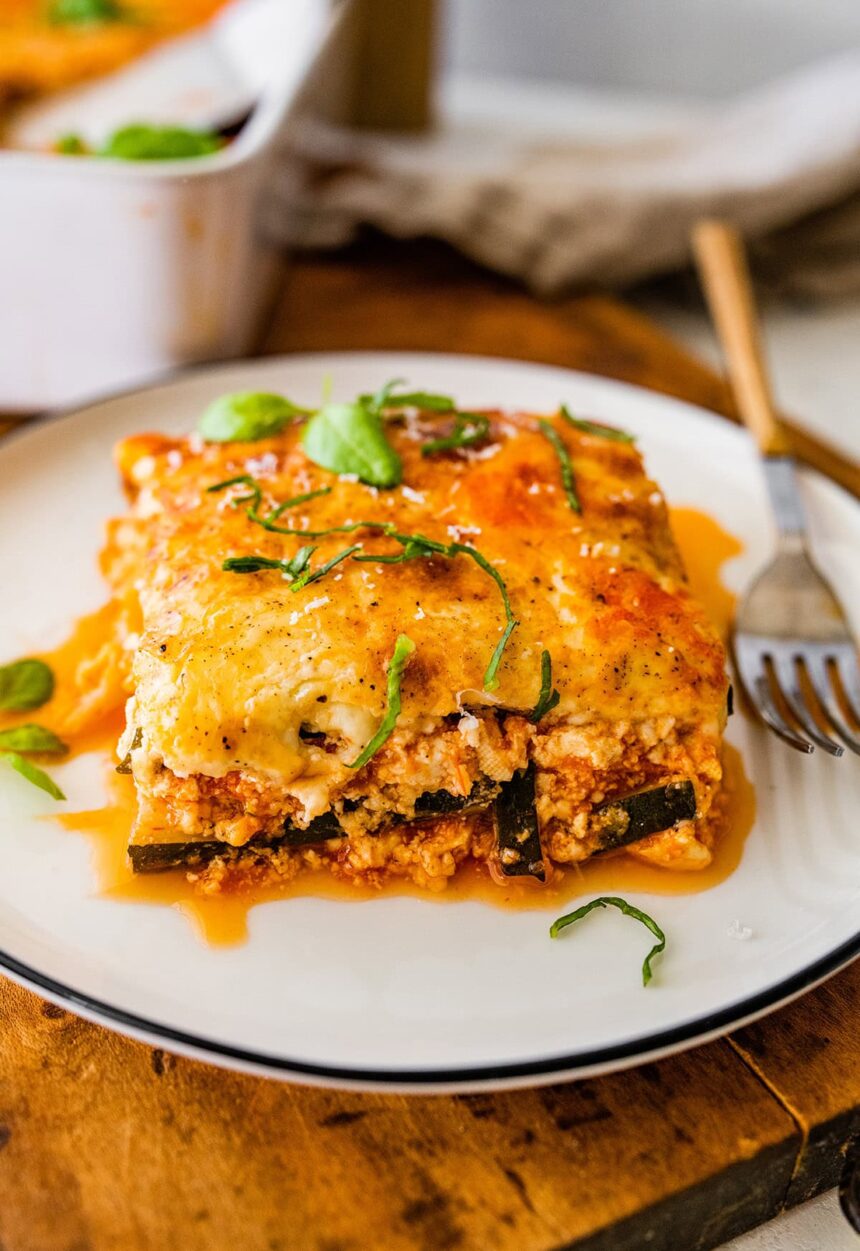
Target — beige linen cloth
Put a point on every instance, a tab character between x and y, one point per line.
561	211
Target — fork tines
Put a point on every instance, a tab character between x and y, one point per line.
804	693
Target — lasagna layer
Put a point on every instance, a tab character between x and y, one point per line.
252	700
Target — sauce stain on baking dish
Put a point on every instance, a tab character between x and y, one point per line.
222	919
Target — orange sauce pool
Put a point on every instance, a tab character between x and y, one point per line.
223	919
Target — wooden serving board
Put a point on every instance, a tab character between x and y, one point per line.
108	1144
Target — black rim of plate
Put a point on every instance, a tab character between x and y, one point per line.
633	1049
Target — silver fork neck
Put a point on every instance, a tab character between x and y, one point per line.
780	474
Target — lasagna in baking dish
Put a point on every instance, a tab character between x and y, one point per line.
49	44
468	640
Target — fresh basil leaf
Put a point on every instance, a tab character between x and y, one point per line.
84	12
37	776
548	698
140	142
592	427
564	461
25	684
31	738
469	429
246	416
403	649
349	438
628	910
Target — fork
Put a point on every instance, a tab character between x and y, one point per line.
791	641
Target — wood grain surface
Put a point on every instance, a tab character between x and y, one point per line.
109	1144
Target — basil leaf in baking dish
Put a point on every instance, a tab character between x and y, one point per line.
25	684
84	12
403	649
246	416
140	142
629	910
31	738
349	439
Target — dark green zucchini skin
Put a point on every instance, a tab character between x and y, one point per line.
439	803
626	820
517	832
154	857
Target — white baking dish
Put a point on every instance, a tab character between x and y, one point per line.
113	271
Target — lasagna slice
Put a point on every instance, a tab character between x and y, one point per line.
562	695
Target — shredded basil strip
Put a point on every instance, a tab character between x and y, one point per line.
469	429
255	498
548	697
592	427
33	774
308	576
295	570
253	564
403	649
31	738
25	684
563	455
416	546
630	911
384	398
297	564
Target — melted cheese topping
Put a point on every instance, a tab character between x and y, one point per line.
230	667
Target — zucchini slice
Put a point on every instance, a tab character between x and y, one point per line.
153	857
517	831
439	803
631	817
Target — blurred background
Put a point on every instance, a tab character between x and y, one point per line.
568	144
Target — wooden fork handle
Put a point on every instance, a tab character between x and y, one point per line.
723	270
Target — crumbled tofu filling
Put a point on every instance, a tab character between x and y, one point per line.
579	767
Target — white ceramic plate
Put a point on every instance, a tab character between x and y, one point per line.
405	993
